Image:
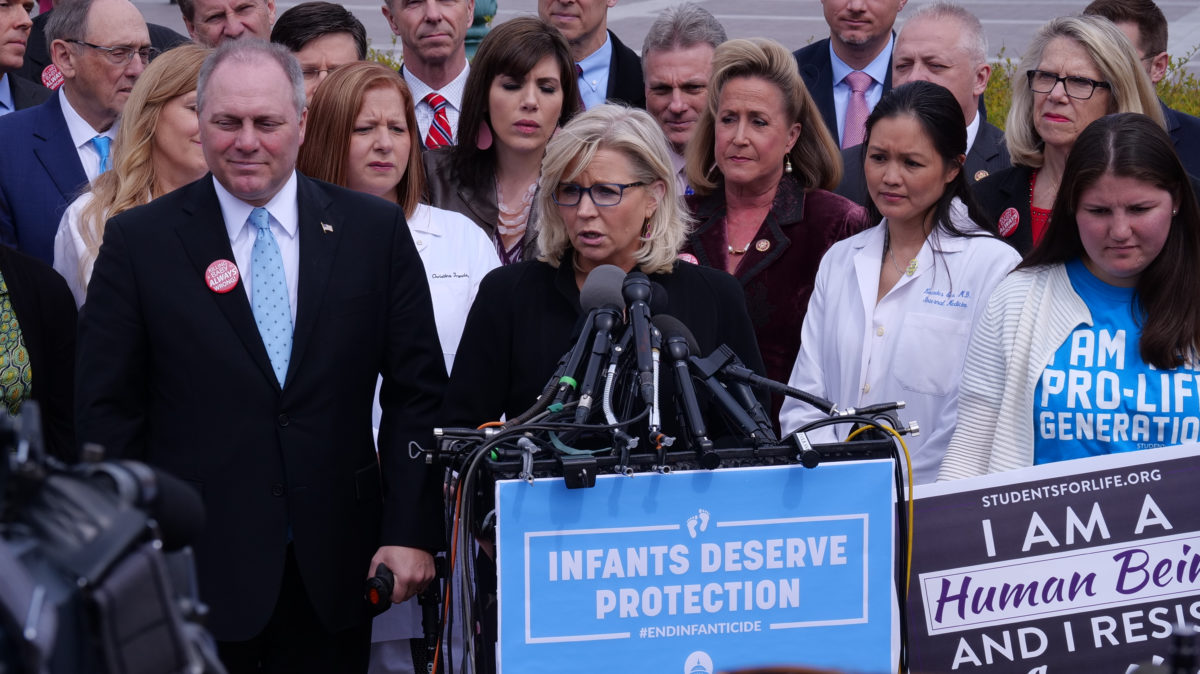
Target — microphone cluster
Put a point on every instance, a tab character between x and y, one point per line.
609	385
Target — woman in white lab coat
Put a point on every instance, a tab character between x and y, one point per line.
893	307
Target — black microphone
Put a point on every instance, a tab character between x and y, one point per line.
637	291
174	504
680	344
735	369
601	290
757	428
605	301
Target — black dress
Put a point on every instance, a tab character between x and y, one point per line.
527	315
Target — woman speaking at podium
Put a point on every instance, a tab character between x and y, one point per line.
893	306
608	196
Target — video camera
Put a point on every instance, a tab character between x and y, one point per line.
97	575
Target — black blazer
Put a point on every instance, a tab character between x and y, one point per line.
988	154
625	83
26	94
527	315
175	374
1185	133
45	309
1005	189
816	68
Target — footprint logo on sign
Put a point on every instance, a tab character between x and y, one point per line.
697	523
698	662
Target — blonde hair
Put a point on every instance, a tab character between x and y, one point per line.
634	134
130	181
335	106
816	158
1113	56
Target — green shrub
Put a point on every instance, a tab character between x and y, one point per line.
1180	89
385	57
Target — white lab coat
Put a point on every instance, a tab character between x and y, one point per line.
909	346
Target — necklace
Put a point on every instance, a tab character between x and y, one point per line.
887	248
514	221
740	251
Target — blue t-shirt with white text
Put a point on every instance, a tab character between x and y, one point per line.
1096	396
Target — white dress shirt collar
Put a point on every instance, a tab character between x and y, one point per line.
972	131
285	224
452	92
82	134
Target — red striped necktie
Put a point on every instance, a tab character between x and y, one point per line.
439	131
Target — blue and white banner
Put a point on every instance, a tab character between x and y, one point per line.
710	569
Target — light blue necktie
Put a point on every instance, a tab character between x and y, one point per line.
102	144
272	310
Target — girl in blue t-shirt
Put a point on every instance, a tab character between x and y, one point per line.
1090	346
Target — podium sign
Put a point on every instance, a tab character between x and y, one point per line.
1078	566
698	571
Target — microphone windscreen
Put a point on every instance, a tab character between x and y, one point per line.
178	510
670	327
602	288
658	299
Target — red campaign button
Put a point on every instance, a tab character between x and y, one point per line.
1009	220
688	257
51	77
221	276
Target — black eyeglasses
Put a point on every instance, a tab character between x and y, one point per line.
602	194
119	56
1081	88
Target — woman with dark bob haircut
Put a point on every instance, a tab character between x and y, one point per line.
920	277
522	87
1108	298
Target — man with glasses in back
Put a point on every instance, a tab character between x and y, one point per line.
54	149
1146	27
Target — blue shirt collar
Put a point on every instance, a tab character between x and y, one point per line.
7	104
877	69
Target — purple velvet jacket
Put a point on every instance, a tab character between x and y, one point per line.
778	270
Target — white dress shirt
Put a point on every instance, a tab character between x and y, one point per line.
452	92
285	225
82	134
69	248
909	346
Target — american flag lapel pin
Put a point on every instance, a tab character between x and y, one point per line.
326	228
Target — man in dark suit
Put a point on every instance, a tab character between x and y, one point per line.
945	44
1146	27
233	335
433	38
16	93
610	70
52	150
860	41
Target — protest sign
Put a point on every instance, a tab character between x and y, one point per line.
698	571
1077	566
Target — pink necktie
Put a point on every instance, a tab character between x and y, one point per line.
856	110
439	130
